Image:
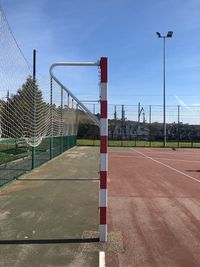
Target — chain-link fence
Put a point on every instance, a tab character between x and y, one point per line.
142	125
146	122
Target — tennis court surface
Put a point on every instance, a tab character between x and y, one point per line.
154	202
50	217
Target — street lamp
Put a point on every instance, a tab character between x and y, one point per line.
169	35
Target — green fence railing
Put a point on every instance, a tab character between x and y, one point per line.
16	156
141	143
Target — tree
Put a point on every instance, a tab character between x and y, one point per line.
25	113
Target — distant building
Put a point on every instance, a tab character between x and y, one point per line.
143	131
130	130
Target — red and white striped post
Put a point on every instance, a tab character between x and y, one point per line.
103	149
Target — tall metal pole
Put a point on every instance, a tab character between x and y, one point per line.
169	35
164	92
34	81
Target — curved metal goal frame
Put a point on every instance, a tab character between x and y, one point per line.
103	124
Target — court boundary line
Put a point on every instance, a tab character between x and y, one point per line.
102	259
167	166
167	152
142	157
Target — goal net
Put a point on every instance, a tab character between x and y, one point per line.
38	118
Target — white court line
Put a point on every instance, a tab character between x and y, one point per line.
102	262
185	160
142	157
117	152
169	167
194	153
137	157
165	153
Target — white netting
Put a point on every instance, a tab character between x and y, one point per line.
64	112
30	109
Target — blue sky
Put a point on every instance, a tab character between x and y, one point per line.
122	30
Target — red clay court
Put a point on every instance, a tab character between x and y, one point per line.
154	205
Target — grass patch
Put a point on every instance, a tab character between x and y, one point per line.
87	142
4	158
10	152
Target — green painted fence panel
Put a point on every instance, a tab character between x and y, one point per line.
16	157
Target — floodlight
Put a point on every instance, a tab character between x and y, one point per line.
169	34
159	35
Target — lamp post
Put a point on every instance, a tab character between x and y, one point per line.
169	35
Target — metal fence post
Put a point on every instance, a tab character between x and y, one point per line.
51	107
178	126
77	110
34	81
61	106
150	125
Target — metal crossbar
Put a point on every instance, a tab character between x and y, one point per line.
60	64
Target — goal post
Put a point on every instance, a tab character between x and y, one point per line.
102	64
103	203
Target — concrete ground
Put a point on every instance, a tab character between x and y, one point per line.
50	216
